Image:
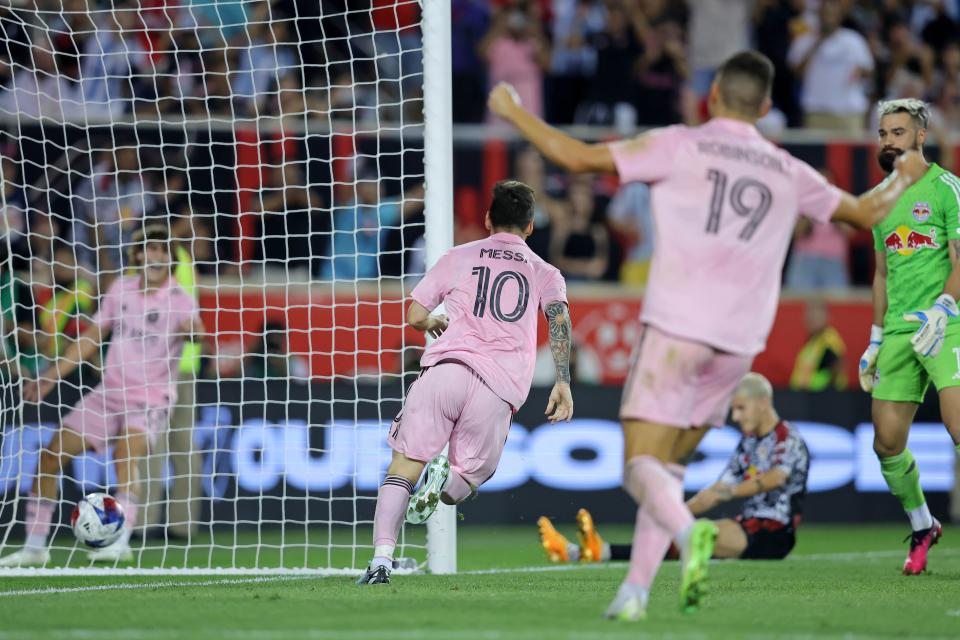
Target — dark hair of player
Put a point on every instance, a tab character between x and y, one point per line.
151	234
512	206
745	81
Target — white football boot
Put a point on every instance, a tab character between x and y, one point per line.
26	557
119	551
424	502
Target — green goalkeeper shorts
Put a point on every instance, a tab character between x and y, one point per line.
903	375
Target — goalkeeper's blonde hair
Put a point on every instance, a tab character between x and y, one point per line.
918	110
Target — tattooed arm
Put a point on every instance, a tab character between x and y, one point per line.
560	405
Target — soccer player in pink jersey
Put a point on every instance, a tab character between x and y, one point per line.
725	202
149	317
477	372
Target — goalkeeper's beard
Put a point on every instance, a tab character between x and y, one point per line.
887	156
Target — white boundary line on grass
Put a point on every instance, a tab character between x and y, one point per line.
306	574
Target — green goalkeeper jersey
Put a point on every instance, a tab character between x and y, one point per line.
915	239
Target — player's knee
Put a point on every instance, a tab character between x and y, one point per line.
887	447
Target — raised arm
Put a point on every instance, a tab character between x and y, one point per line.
76	354
560	405
573	155
873	206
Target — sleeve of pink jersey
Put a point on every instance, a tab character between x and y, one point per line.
107	312
647	157
554	289
817	199
435	285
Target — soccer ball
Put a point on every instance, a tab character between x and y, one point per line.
97	520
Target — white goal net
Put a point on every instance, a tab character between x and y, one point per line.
280	146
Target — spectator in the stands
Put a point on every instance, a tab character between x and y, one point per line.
13	206
360	228
613	87
576	24
820	362
580	243
268	55
469	21
402	246
530	169
398	45
834	63
292	220
270	357
107	208
65	307
773	22
517	51
39	90
941	29
717	30
662	73
906	62
631	221
819	258
113	59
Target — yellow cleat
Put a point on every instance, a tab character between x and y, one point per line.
591	544
552	541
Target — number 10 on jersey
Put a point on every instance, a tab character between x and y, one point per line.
487	292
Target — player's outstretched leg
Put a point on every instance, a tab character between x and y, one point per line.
129	451
424	502
650	544
555	544
42	500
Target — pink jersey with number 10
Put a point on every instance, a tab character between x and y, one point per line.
491	290
725	202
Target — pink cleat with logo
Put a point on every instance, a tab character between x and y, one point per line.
920	543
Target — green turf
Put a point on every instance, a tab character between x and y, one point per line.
842	582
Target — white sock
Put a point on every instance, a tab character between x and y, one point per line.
36	542
920	517
605	552
628	588
683	538
573	552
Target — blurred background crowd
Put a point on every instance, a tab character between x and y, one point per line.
283	65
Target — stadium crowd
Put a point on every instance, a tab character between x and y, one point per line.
625	64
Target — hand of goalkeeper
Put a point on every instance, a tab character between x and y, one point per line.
928	340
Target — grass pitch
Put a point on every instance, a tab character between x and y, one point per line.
841	582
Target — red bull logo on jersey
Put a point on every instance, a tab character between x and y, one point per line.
904	240
921	211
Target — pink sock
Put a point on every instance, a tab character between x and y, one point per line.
392	501
658	490
39	515
456	489
131	506
650	541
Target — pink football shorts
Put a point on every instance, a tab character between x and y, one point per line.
449	403
99	416
680	383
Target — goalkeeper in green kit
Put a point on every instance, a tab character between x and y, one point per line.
915	338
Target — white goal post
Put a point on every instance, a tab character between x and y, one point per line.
284	154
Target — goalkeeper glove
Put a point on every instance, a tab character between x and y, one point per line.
928	340
868	361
